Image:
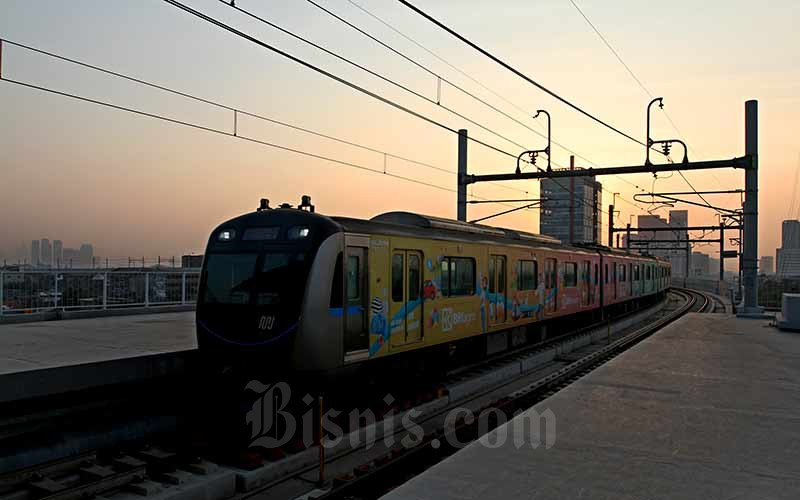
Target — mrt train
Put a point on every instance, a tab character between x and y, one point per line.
319	294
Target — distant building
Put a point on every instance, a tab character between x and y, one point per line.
767	265
47	253
790	234
788	256
665	242
788	262
585	201
35	255
86	255
58	253
192	261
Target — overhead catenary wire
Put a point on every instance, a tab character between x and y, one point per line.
519	73
465	74
441	78
641	85
233	134
345	60
332	76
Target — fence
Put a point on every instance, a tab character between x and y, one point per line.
35	291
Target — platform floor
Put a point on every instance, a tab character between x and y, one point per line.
708	408
38	359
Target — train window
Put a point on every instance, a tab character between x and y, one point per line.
527	275
550	277
630	271
647	272
623	277
397	278
570	274
413	277
605	280
462	276
492	272
636	272
596	277
229	278
501	276
458	276
353	278
336	285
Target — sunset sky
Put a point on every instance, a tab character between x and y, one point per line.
134	185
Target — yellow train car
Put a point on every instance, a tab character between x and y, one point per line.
327	293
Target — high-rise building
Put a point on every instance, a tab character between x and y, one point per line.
663	247
767	264
790	234
86	253
58	253
35	255
570	209
47	253
788	256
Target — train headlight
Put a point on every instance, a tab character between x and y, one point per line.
298	232
226	235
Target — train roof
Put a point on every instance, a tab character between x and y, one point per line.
413	224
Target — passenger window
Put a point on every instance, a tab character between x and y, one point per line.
413	277
605	279
550	276
445	284
527	275
353	273
462	276
501	275
595	274
397	278
458	276
570	274
491	274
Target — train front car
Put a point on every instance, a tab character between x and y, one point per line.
255	286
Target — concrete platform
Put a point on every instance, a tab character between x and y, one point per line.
707	408
39	359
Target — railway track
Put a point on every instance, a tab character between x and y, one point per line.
356	471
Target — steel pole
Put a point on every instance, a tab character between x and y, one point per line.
571	199
462	175
628	238
611	226
750	259
721	251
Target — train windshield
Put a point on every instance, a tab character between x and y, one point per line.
251	278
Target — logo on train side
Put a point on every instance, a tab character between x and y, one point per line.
266	322
450	319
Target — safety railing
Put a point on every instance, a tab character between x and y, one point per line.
27	291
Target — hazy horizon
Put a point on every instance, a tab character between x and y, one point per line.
132	185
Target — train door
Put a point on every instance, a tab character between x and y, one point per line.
551	285
497	289
406	301
356	335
